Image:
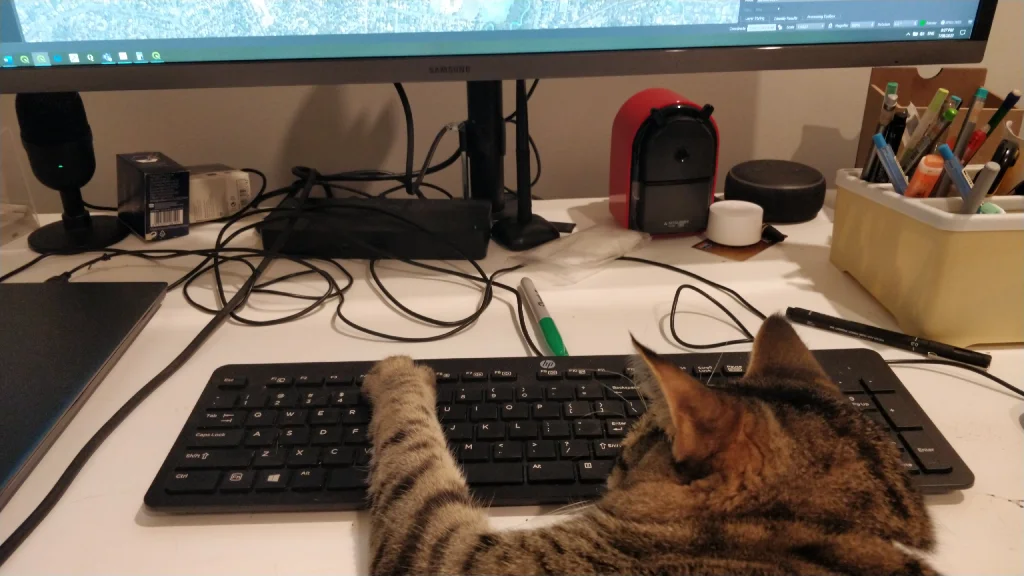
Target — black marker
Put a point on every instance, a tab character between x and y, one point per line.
1006	156
888	337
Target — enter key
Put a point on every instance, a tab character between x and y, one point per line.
926	452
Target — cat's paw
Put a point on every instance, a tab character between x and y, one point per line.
398	373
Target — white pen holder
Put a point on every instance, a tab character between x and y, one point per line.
944	276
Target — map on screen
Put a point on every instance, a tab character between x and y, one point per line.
90	20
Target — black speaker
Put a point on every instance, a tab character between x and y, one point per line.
58	140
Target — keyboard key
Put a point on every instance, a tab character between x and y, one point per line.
561	392
222	400
494	474
363	455
272	458
547	411
703	371
345	397
593	472
550	472
925	451
616	428
303	457
308	480
325	416
271	480
261	437
881	383
590	391
294	436
623	391
238	481
287	399
508	451
261	418
606	449
577	409
573	449
254	400
215	438
529	393
222	419
338	380
540	450
474	376
549	375
474	452
468	395
326	435
629	372
609	409
555	429
522	430
452	413
313	399
336	456
292	417
483	412
360	379
499	394
861	401
587	429
490	431
635	409
355	415
309	381
877	418
504	376
602	374
734	370
908	463
278	382
577	374
355	435
214	459
346	479
459	431
231	382
515	412
193	482
899	412
446	377
847	383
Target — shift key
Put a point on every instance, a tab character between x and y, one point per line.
901	413
924	449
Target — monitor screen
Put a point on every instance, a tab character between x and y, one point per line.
41	33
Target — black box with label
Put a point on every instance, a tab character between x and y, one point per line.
152	195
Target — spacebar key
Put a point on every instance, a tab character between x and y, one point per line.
487	474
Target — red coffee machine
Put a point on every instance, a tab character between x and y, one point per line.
664	163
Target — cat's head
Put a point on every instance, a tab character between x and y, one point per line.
781	442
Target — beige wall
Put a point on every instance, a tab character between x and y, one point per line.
809	116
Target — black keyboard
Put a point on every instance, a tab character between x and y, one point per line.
528	431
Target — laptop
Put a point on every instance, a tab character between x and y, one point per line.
57	342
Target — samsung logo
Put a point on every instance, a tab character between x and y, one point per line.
450	69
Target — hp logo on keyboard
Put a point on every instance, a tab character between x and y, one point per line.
547	364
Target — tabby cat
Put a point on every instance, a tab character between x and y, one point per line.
776	474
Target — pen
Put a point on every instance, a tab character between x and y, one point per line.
892	88
955	103
1007	155
971	123
890	165
934	108
888	111
914	154
955	171
980	136
544	321
893	135
888	337
982	185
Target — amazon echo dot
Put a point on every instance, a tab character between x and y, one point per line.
789	192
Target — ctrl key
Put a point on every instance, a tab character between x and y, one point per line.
193	482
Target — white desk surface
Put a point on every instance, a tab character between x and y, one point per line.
101	526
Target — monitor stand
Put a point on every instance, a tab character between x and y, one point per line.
517	228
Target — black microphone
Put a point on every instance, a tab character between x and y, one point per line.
56	135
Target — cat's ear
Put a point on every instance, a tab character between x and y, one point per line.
701	418
779	352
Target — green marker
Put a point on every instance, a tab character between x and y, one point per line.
892	88
544	321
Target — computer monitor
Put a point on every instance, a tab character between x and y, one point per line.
83	45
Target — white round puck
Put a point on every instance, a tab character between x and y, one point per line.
735	223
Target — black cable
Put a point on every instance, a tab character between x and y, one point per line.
529	94
98	208
410	142
25	529
954	364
